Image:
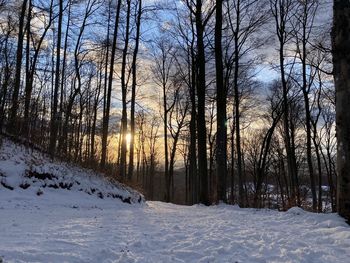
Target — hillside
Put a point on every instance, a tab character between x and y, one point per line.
28	171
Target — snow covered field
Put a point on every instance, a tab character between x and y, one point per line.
79	217
75	228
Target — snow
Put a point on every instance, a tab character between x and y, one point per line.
57	228
72	226
25	169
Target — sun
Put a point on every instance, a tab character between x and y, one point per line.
128	138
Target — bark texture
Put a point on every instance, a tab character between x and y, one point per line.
341	60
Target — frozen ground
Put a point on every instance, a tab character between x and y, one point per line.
79	220
72	228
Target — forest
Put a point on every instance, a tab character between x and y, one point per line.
187	101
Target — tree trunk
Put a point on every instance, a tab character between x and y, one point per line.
19	55
201	123
193	173
28	84
62	130
166	149
94	119
341	58
237	110
109	90
306	28
124	121
221	139
5	83
133	93
54	115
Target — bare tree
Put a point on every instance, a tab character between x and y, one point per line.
164	65
282	13
32	69
244	19
303	30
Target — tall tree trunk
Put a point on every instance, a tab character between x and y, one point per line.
309	146
124	121
237	110
221	136
5	83
19	56
201	123
341	58
133	93
233	192
25	128
95	112
54	115
306	89
317	143
109	90
193	172
63	128
166	148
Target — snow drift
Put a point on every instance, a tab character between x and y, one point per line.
25	169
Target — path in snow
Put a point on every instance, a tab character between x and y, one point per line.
92	230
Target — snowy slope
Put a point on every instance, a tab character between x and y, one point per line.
30	172
64	225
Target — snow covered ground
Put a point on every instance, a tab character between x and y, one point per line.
69	225
75	228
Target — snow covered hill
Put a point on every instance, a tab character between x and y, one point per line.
61	225
31	172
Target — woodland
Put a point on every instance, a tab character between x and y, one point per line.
187	101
